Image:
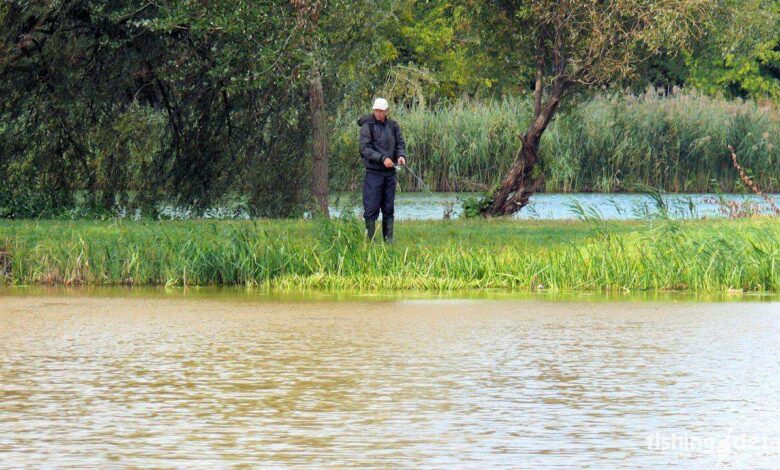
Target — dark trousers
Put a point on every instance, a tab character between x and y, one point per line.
379	193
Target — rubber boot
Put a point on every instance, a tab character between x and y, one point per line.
370	229
387	229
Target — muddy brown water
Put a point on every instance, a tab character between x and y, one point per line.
214	381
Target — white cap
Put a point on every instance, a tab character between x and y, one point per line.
380	103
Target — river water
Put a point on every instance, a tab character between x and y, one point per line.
546	206
210	380
410	206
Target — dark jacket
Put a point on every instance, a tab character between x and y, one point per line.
380	140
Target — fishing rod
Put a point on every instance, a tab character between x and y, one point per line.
448	205
419	180
461	181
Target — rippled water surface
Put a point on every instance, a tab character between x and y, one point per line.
206	382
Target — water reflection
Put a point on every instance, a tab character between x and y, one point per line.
204	382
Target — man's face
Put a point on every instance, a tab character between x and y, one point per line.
380	115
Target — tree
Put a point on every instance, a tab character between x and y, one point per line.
742	55
435	52
186	101
308	14
576	45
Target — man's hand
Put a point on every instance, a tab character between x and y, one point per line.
401	161
388	162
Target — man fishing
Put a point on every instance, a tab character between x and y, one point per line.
382	148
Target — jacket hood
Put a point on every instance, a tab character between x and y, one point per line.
371	118
365	119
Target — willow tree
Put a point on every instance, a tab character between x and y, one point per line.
581	44
176	101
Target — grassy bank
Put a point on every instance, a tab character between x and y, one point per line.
703	256
608	143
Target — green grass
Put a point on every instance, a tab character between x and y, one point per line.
699	256
607	143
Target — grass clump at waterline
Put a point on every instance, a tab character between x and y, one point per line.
704	255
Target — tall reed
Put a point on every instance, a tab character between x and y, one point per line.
611	142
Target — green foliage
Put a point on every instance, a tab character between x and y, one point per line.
439	36
742	54
21	202
475	206
183	102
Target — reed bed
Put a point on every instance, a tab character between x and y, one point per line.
698	256
609	143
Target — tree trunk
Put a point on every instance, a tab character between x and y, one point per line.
319	183
522	181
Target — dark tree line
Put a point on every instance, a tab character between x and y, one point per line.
136	100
